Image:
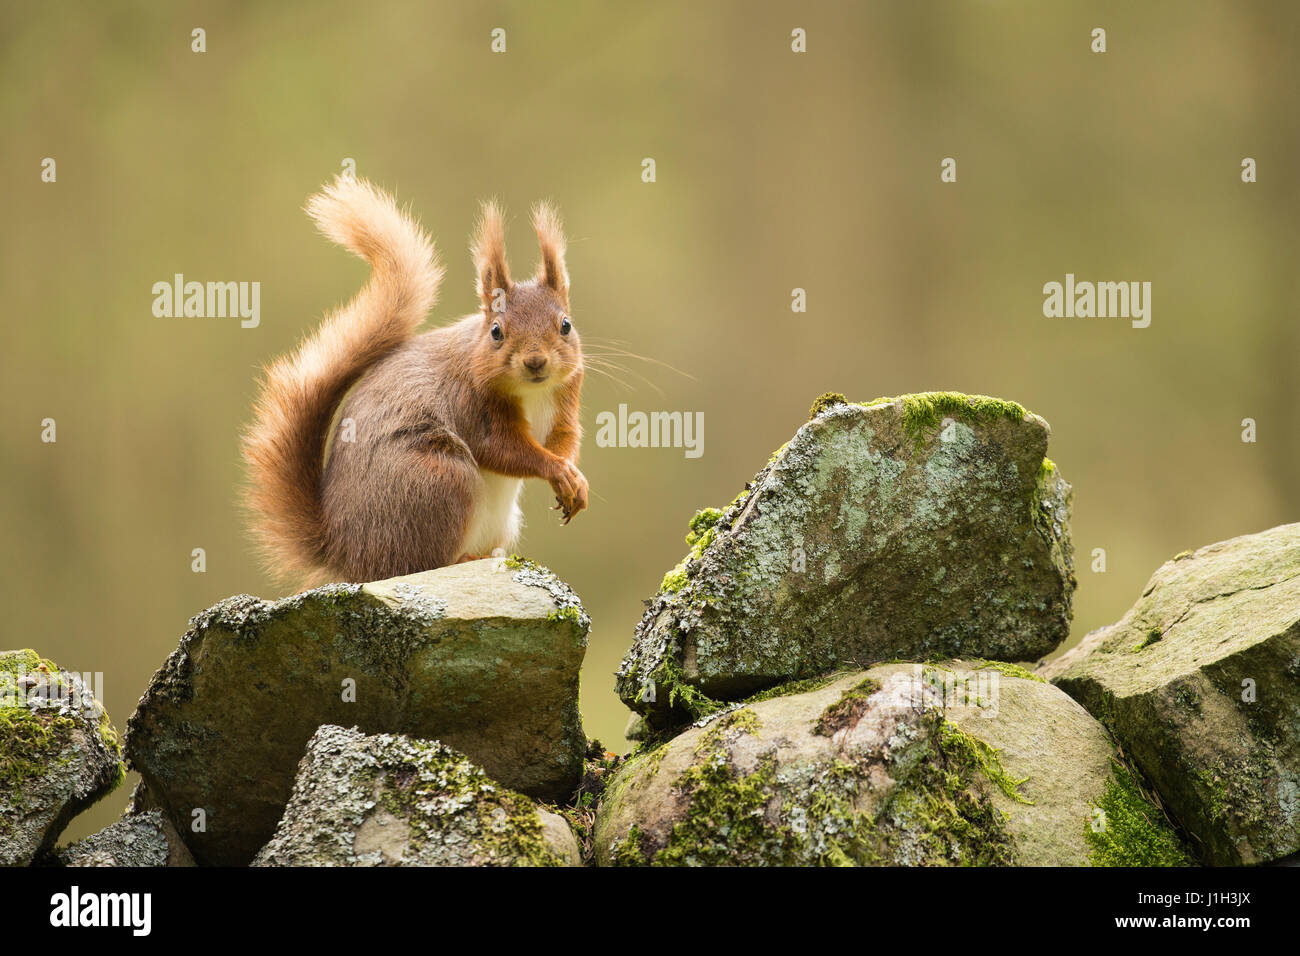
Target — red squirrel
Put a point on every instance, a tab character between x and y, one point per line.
436	431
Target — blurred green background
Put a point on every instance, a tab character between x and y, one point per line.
775	170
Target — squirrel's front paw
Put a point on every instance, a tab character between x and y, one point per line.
570	487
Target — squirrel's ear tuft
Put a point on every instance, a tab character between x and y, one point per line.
550	236
489	248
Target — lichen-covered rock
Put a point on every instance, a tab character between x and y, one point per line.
483	656
926	526
960	763
58	753
1200	683
389	800
145	839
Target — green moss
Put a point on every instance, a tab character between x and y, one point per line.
1215	791
725	821
702	524
1239	795
519	837
851	838
932	816
973	753
702	541
1007	668
1152	636
801	686
923	412
742	720
962	687
1185	693
703	529
701	533
652	753
778	453
1130	831
29	742
1105	710
15	663
824	401
669	681
675	579
32	741
944	819
627	851
571	614
432	786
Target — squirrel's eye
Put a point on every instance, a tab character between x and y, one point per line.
565	326
497	334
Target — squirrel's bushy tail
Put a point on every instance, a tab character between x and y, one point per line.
285	445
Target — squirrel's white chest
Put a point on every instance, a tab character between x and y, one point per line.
495	520
539	409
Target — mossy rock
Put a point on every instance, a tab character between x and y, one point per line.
59	753
389	800
924	526
144	839
1200	683
942	764
483	656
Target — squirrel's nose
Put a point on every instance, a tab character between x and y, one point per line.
535	363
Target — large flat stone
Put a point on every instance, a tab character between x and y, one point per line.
483	656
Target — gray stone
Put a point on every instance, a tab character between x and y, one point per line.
388	800
58	753
1200	683
913	528
961	763
145	839
483	656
